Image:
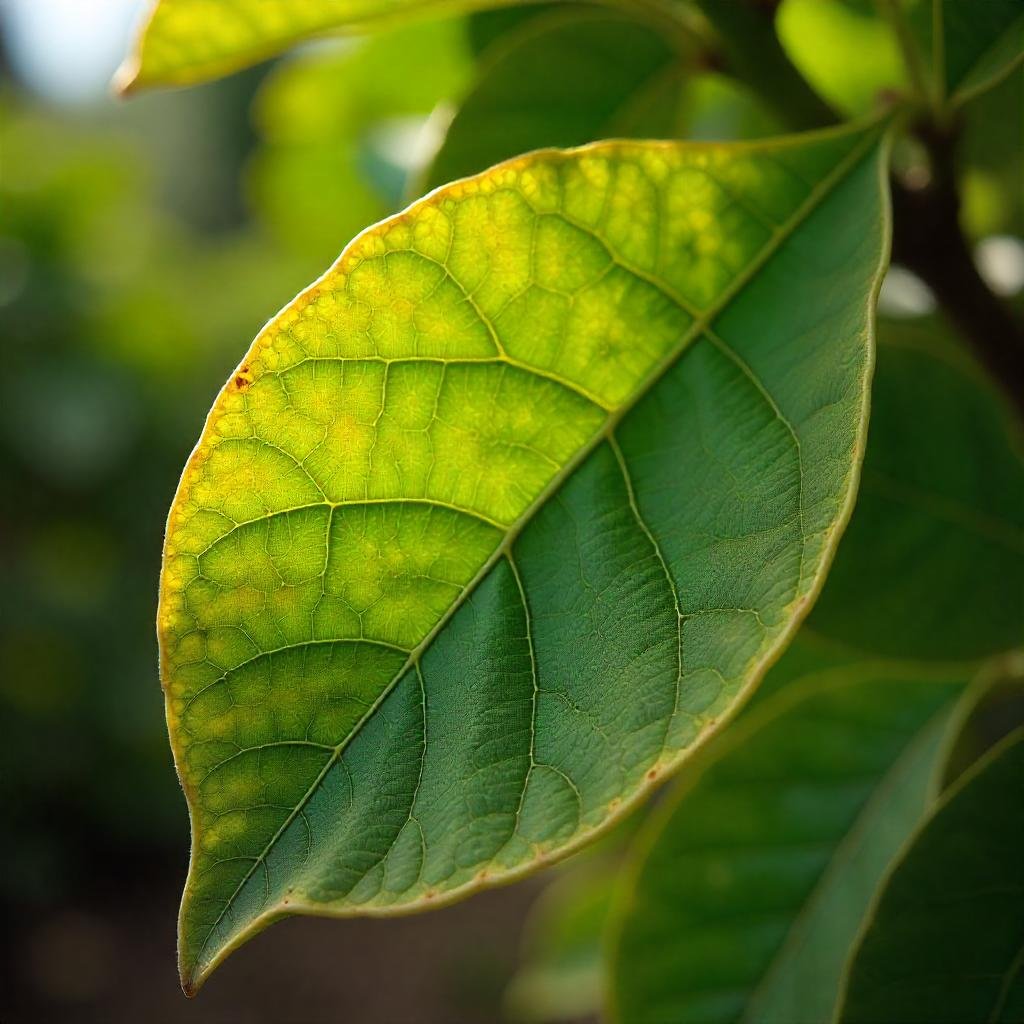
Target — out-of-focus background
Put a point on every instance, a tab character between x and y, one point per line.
142	246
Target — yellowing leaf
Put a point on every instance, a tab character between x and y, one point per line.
506	513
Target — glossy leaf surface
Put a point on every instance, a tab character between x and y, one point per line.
946	941
505	513
751	884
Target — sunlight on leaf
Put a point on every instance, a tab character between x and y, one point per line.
184	42
387	684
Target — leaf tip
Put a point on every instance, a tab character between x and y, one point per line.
125	82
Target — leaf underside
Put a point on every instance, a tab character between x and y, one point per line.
506	512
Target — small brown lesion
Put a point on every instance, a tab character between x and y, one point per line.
243	378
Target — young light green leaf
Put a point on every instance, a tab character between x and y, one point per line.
184	42
946	940
828	39
752	882
508	511
947	50
561	976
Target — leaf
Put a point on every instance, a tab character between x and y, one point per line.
946	940
572	77
318	115
969	47
473	500
184	42
565	79
827	40
997	711
977	45
561	977
750	884
940	513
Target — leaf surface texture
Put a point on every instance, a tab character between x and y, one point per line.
504	514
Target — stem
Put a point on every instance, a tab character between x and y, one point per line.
927	239
911	54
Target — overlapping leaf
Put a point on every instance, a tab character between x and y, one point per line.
507	512
563	80
940	514
952	50
752	884
946	940
571	77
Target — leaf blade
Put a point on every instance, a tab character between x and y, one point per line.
280	744
792	817
963	866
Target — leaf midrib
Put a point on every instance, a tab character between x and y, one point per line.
699	325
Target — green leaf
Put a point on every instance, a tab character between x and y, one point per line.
508	511
184	42
572	77
750	884
969	47
940	513
561	976
828	39
564	79
946	940
318	116
976	45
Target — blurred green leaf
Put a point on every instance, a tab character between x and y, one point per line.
561	976
844	48
188	41
850	51
320	115
945	941
750	884
968	47
940	513
573	77
562	80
